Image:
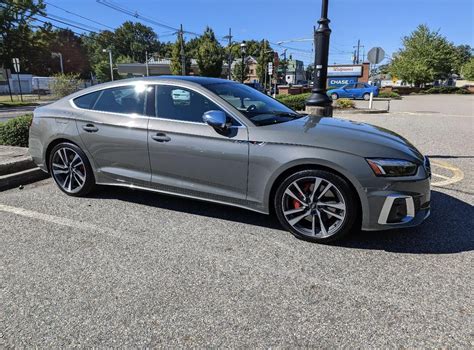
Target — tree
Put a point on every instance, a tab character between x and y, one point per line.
462	55
65	84
133	39
426	56
467	70
176	57
210	55
237	70
16	31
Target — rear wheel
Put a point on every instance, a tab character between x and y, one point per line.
316	205
71	169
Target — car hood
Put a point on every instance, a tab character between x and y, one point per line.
348	136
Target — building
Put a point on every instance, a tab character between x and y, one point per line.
340	75
295	72
251	62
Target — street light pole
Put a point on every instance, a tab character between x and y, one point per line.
110	63
243	47
58	54
319	103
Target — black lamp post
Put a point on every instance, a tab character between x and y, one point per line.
319	103
243	48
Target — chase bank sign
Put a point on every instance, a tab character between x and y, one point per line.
341	81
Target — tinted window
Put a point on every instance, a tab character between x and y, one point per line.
173	102
124	99
86	101
360	86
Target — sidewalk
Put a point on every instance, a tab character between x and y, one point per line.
17	168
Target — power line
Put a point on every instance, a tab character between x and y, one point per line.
80	16
48	17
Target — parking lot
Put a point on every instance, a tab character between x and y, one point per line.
131	268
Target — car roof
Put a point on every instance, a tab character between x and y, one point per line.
193	79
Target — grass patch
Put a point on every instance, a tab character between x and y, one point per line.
9	104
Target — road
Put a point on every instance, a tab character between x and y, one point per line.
130	268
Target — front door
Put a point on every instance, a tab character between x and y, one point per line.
188	156
114	131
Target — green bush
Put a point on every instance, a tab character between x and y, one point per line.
390	94
65	84
295	102
445	90
14	132
344	103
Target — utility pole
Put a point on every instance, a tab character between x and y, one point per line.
58	54
110	63
183	56
229	56
319	104
284	66
357	55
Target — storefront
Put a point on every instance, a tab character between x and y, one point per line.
340	75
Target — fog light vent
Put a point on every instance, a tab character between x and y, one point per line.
397	209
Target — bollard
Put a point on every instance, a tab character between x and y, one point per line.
371	100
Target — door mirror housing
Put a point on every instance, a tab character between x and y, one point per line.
216	119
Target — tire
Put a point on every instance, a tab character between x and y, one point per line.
366	96
334	96
336	208
71	170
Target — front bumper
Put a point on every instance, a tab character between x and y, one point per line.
398	204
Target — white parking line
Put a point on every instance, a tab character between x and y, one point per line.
61	221
457	174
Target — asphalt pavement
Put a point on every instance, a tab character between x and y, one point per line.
131	268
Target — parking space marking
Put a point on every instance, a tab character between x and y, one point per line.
60	220
457	174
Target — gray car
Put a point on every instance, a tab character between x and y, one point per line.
224	142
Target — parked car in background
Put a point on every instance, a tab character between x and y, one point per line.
224	142
354	91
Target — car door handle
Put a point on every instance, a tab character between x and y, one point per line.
160	137
90	128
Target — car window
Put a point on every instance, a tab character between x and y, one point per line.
123	99
360	86
86	101
174	102
349	86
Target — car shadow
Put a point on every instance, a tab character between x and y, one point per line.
449	229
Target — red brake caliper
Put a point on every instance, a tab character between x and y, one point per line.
305	189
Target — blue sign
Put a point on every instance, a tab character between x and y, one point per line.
341	81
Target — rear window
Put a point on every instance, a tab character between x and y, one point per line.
86	101
124	99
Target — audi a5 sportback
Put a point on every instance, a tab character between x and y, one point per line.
225	142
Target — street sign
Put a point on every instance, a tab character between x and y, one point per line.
376	55
270	68
16	65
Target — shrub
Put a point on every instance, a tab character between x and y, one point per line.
14	132
390	94
446	90
65	84
344	103
295	102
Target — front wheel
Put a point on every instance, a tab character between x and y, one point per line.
334	96
366	96
71	169
316	205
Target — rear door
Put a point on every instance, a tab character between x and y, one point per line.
114	128
188	156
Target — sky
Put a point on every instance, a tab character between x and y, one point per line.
380	23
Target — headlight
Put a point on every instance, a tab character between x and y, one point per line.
392	167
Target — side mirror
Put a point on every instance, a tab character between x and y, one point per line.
216	119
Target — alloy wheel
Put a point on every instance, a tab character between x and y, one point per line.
68	170
314	207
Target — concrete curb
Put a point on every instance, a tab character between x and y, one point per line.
359	111
21	178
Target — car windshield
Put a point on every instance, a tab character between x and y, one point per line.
256	106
